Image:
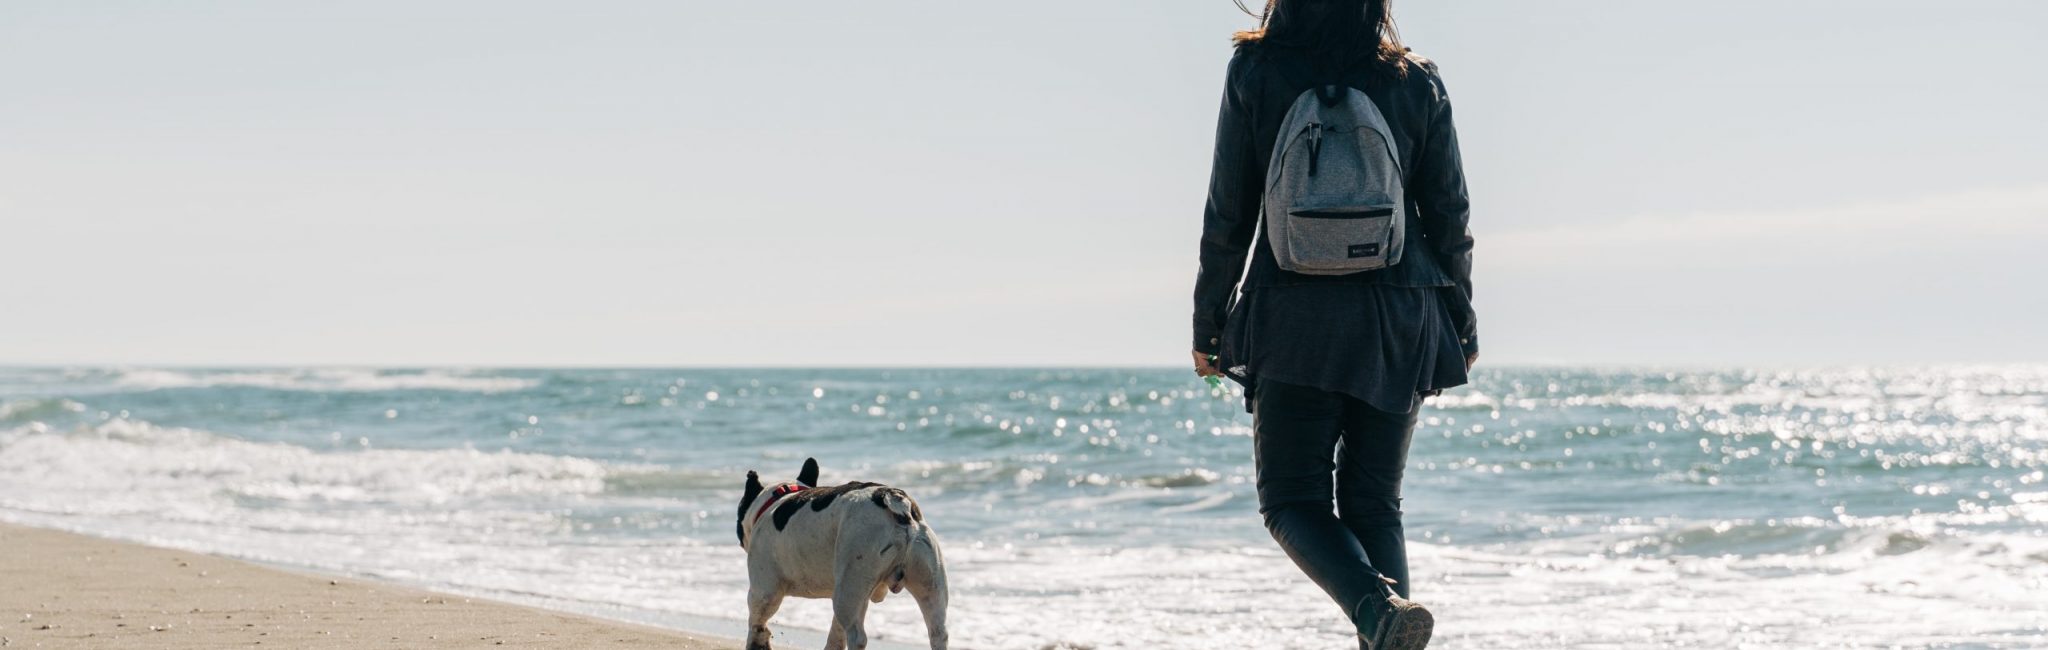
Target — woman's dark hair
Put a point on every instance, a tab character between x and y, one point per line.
1339	33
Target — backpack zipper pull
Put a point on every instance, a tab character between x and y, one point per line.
1315	146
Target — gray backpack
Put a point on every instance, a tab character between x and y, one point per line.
1334	201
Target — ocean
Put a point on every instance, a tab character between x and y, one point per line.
1094	508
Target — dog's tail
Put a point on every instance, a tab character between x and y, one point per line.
899	505
906	513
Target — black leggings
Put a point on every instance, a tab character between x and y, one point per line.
1297	431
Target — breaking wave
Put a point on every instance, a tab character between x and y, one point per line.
129	466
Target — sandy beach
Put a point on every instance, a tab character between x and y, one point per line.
61	590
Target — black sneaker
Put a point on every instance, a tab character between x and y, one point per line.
1403	625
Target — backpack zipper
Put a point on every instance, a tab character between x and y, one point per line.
1315	146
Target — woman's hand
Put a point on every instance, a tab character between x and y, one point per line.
1471	360
1203	368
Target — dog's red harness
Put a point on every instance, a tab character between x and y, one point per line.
780	491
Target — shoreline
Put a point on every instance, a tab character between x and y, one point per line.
69	590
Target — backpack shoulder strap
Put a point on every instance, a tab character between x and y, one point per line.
1330	89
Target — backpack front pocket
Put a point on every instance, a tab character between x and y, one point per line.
1346	236
1346	212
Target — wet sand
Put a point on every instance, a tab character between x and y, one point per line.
61	590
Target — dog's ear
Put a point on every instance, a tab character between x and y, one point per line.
809	477
753	490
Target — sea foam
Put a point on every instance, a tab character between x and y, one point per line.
130	467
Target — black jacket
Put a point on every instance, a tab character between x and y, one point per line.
1262	83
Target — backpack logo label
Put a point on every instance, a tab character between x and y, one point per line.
1365	250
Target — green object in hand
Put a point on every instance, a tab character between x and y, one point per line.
1215	381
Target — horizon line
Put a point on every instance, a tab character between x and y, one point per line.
1647	365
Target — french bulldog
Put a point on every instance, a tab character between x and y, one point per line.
852	543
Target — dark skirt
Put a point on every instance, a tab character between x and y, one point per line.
1384	345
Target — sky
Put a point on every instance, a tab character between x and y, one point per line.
931	183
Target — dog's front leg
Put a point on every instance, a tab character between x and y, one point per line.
761	604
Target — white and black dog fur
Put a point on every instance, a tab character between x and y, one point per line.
851	543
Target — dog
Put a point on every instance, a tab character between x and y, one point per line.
851	543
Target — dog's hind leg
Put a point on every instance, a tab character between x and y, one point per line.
836	638
925	577
932	600
850	607
761	604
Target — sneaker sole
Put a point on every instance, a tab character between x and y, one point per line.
1411	628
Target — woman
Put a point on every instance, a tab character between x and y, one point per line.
1336	365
